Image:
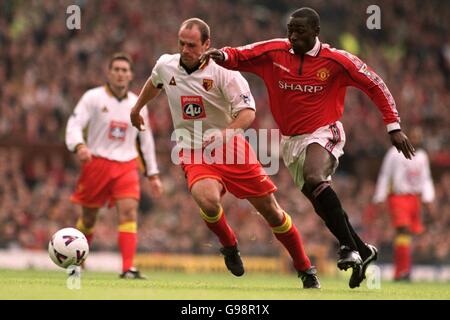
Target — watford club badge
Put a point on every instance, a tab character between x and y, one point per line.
208	84
172	82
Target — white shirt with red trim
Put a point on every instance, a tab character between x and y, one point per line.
110	134
208	98
399	175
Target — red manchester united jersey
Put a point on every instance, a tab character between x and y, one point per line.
307	91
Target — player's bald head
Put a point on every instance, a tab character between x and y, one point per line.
201	25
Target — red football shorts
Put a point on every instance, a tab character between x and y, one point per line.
244	178
405	212
102	180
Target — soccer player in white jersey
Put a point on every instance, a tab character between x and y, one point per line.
215	98
405	184
109	172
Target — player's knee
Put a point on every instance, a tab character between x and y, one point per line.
209	204
312	180
271	212
403	230
127	216
210	209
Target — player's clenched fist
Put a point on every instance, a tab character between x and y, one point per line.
83	153
136	120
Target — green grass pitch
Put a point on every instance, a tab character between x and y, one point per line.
221	286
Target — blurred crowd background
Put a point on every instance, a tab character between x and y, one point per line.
45	68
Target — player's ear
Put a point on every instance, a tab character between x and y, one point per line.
317	30
207	44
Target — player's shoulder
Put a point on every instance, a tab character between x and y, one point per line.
278	44
343	57
95	92
132	95
168	58
218	71
421	153
392	152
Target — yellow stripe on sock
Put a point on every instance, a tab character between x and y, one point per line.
402	239
86	231
130	227
285	227
211	219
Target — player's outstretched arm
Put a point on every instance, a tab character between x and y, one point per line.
402	143
147	93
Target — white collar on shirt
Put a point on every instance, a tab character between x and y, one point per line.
314	51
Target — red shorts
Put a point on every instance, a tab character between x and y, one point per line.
243	180
104	180
405	212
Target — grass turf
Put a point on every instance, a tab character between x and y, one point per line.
33	284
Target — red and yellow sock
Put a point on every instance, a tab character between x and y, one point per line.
127	243
288	235
402	255
88	232
218	224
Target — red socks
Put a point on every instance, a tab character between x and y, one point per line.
288	235
218	224
402	255
127	243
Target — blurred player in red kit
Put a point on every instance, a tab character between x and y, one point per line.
109	172
405	184
306	81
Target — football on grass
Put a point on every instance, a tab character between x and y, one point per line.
68	247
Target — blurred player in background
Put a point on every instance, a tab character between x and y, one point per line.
215	98
109	172
306	80
404	184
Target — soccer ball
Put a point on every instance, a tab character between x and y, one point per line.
68	247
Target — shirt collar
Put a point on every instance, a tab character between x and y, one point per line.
315	49
188	70
112	94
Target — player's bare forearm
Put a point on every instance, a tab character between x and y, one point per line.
147	93
243	120
402	143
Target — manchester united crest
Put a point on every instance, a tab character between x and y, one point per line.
323	74
208	84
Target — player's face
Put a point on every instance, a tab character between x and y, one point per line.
301	35
120	74
190	46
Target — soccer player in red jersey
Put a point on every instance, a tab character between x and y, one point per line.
307	80
109	158
215	98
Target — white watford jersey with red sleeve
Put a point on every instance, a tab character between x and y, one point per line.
207	98
110	133
401	176
307	91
